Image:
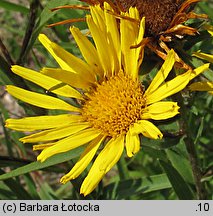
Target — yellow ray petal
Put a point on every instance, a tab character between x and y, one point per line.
107	158
69	143
129	37
139	52
112	30
169	88
66	60
88	50
141	30
201	86
67	77
48	45
42	122
175	85
209	28
97	14
198	71
84	160
132	142
210	31
160	110
113	37
204	56
147	129
133	13
56	133
104	51
162	73
40	100
42	146
45	82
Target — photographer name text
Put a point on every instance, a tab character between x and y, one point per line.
38	207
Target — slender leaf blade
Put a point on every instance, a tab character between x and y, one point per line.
179	160
14	185
13	7
56	159
180	187
126	188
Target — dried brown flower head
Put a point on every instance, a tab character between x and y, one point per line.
158	13
164	21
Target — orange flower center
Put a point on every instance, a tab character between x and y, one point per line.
114	105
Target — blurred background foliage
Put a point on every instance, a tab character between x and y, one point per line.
161	170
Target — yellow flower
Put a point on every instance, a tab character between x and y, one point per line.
203	86
209	28
204	56
114	107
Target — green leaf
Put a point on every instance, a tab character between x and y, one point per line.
192	41
14	7
199	132
164	143
206	9
4	72
31	186
126	188
47	193
154	153
16	187
44	17
63	191
180	187
5	192
6	135
56	159
179	160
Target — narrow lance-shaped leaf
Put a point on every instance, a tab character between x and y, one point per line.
179	185
123	189
56	159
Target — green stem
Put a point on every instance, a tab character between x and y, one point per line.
28	34
190	146
122	168
195	167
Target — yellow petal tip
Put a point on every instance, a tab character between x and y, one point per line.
130	154
14	67
7	123
160	136
44	39
40	158
41	36
83	193
64	180
22	140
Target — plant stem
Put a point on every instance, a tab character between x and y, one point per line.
122	169
28	34
195	167
5	53
190	146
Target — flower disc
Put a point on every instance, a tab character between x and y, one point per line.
115	105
